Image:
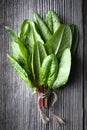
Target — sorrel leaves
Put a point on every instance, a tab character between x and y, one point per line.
53	21
21	72
48	70
29	34
42	51
75	39
44	30
38	55
60	40
64	69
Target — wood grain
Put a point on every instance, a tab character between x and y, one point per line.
85	63
18	108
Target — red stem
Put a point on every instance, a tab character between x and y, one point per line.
42	101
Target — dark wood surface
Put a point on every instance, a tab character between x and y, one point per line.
85	62
18	107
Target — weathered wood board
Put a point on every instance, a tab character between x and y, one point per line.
18	108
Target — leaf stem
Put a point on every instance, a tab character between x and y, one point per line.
43	99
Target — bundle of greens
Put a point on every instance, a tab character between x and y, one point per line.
42	52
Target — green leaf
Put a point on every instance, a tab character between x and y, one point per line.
59	41
53	21
64	69
48	70
19	57
11	34
53	44
29	34
75	38
38	56
21	48
21	72
66	41
20	53
16	52
44	30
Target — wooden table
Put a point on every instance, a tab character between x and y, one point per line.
18	108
